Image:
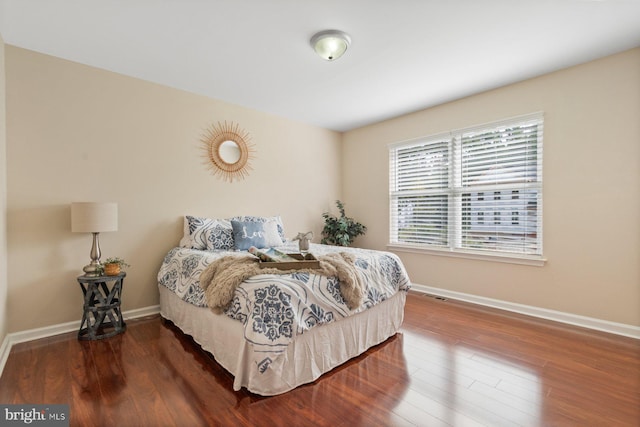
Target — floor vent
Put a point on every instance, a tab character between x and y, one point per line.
438	297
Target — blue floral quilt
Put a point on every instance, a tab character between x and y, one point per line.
276	308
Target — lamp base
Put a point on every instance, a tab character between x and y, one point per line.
92	270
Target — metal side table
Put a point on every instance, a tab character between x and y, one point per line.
102	317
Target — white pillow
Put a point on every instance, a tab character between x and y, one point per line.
271	234
195	236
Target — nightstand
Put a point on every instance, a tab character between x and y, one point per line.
102	317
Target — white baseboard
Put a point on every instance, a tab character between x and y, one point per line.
49	331
543	313
5	348
141	312
558	316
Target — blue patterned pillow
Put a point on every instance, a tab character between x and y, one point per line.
195	231
219	237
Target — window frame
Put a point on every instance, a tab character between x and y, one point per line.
456	205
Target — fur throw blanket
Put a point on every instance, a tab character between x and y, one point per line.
221	278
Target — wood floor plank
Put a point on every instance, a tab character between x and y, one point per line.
85	401
28	365
453	364
56	385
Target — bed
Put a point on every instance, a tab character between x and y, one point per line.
280	330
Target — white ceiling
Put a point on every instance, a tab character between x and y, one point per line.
405	55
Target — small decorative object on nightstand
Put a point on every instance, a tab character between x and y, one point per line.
114	265
102	317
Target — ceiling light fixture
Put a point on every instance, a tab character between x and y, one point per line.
330	44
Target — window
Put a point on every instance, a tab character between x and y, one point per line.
475	190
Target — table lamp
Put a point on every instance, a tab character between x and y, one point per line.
93	217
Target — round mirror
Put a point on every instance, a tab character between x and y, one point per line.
229	152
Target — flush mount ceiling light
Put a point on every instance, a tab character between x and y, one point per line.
330	44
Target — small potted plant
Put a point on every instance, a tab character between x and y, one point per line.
113	265
340	231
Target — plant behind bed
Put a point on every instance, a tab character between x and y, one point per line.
342	230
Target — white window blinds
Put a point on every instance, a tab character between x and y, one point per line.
475	189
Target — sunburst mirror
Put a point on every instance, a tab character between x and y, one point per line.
228	150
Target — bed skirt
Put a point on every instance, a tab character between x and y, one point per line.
307	357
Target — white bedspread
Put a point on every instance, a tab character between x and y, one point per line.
274	309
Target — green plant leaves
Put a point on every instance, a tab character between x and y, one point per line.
342	230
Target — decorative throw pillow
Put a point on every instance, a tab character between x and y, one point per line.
271	234
247	234
219	237
217	234
195	228
277	219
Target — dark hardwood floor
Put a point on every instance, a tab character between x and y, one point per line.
453	364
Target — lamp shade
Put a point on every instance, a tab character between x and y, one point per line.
93	217
330	44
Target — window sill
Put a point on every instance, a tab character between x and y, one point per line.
536	261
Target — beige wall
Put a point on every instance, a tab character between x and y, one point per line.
3	199
591	190
77	133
